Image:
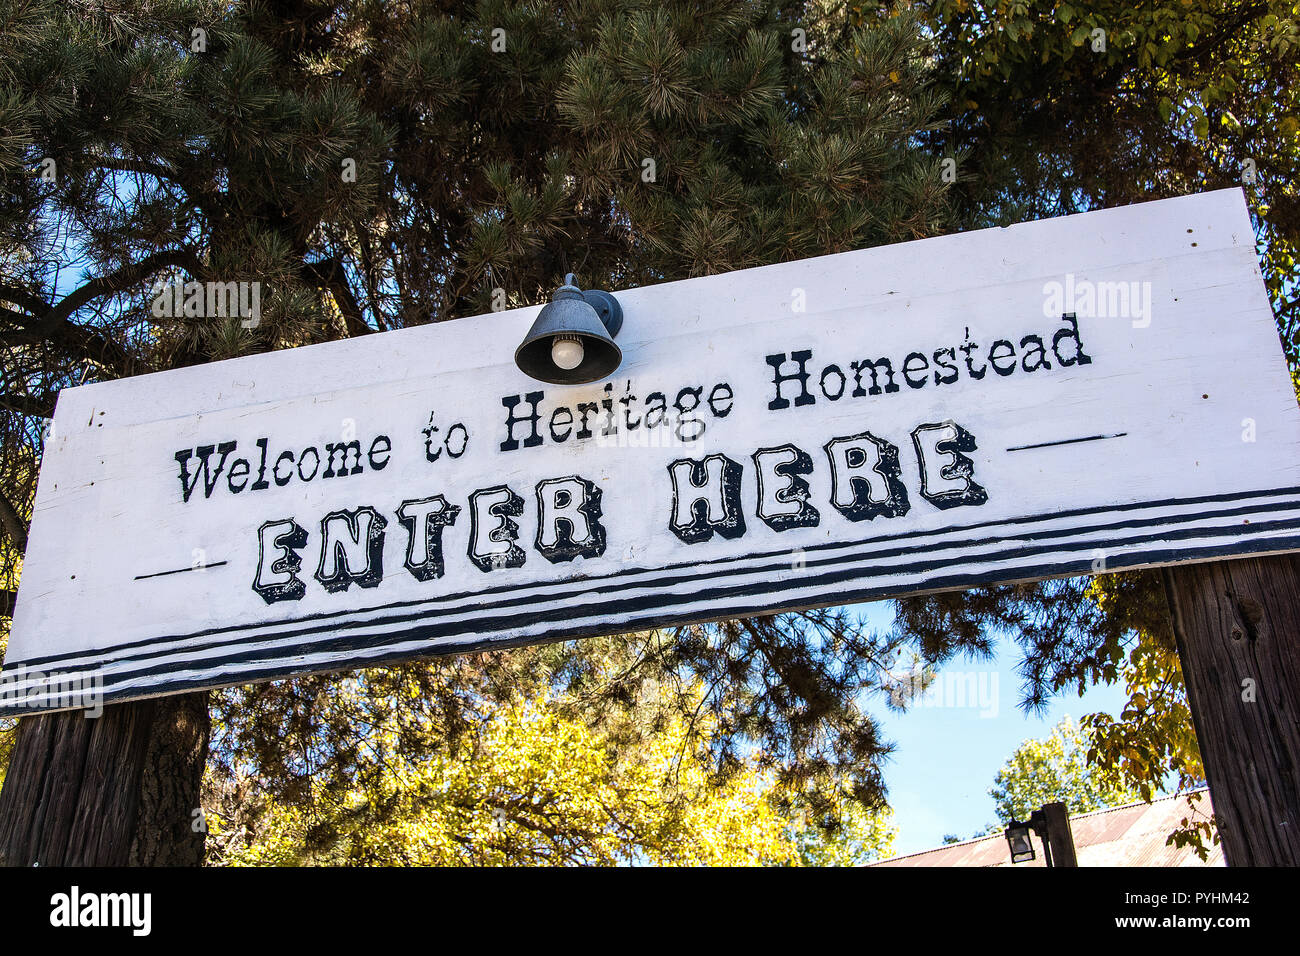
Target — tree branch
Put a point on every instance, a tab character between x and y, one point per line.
120	280
27	405
82	342
27	300
328	274
52	322
13	524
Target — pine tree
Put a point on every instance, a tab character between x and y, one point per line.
376	167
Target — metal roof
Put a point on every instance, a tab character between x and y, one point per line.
1131	835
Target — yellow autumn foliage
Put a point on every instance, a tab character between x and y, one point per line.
532	786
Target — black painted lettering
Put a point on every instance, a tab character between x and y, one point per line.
568	519
784	499
424	519
866	479
779	379
706	498
342	449
493	532
352	549
1070	331
376	448
279	560
946	473
875	389
534	439
210	475
238	469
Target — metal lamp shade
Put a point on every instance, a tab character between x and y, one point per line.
571	315
1020	842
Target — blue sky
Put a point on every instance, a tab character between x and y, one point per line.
947	752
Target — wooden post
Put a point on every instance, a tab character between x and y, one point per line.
120	789
1060	838
1237	624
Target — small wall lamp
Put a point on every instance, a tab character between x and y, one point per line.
1020	841
572	339
1052	824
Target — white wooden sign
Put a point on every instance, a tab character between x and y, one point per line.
1091	393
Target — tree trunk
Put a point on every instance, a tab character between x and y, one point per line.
121	789
1237	624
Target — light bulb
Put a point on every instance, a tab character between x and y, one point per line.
566	352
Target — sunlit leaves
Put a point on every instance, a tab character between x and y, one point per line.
1057	768
1071	106
529	783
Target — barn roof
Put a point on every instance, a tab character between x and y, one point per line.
1131	835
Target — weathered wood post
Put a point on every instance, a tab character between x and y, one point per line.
1237	624
1059	836
120	789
